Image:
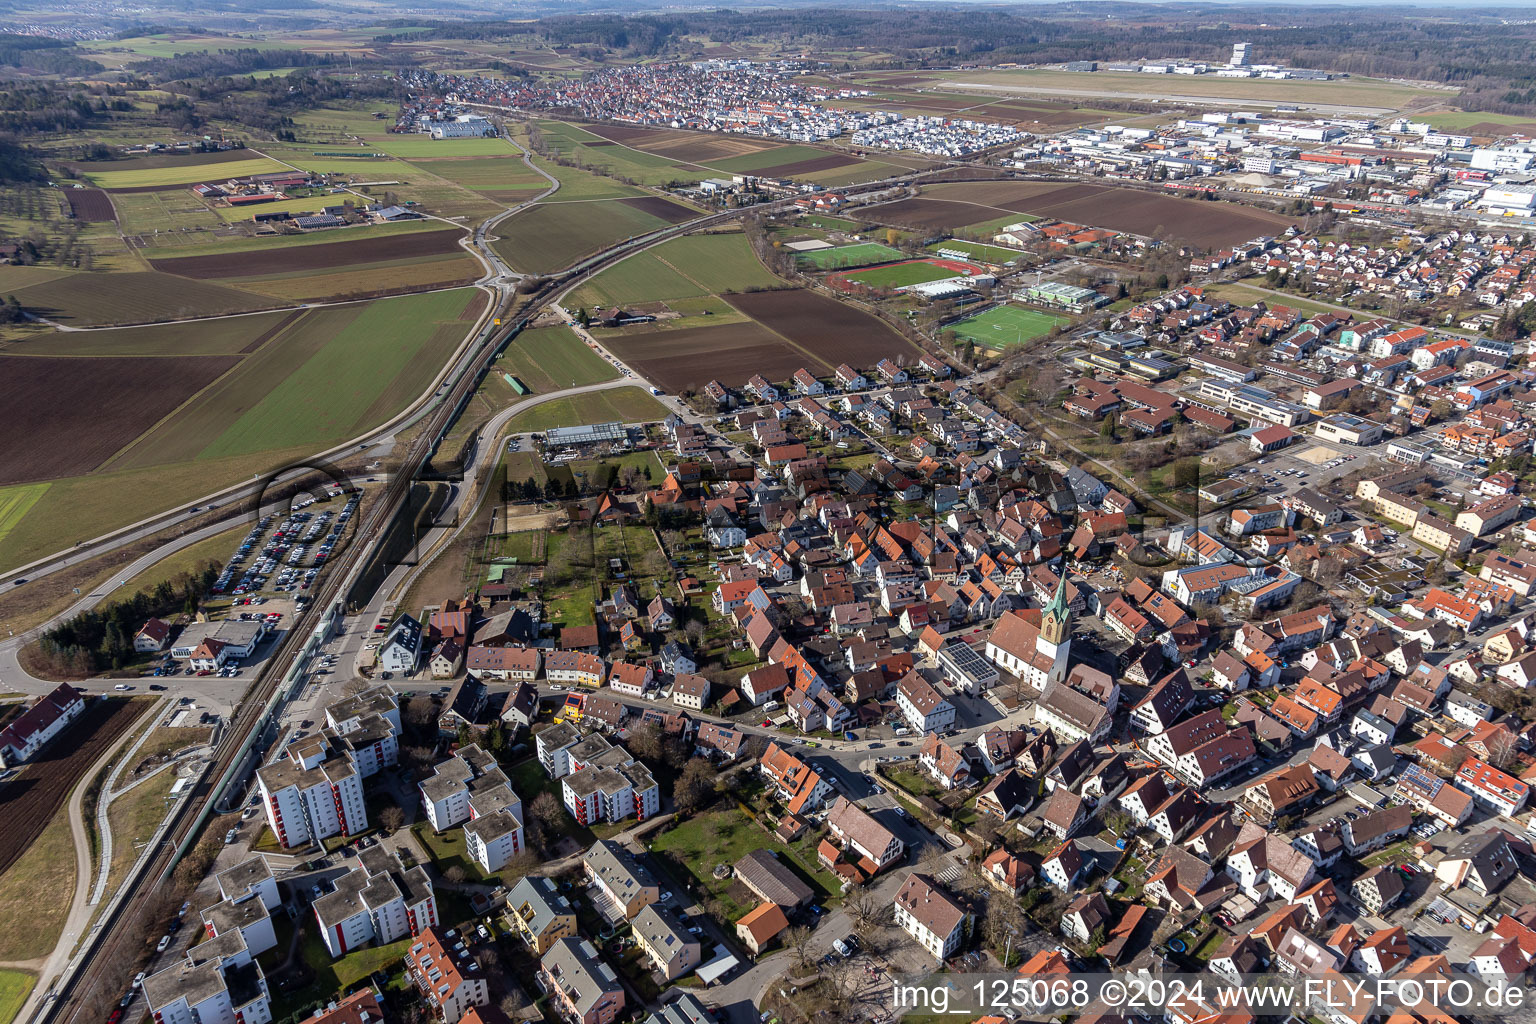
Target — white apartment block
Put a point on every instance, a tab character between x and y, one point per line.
471	789
315	792
377	901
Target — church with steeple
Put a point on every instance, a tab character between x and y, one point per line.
1037	654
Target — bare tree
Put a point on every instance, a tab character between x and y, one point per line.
548	811
866	910
391	818
797	941
455	874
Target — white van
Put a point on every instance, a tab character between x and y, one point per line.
772	705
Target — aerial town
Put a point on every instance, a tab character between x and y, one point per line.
730	538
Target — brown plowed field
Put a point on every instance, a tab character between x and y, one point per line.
834	331
674	144
30	800
1209	225
811	166
1005	194
150	163
931	214
321	256
599	145
71	414
656	206
90	204
730	353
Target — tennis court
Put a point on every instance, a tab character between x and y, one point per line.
1003	326
860	255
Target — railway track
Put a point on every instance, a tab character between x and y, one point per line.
113	941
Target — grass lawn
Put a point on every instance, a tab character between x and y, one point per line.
217	548
899	275
915	782
1246	295
551	359
726	835
134	817
1004	326
627	405
16	502
15	986
819	220
335	977
37	889
857	255
449	850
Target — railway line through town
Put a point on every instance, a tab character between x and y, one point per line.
90	977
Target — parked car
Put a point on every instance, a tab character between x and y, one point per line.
163	944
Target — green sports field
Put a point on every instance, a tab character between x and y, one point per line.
994	254
899	275
1003	326
860	255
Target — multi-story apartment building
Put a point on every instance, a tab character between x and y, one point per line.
470	788
540	913
448	989
377	901
932	916
367	726
313	793
666	941
210	987
581	983
619	878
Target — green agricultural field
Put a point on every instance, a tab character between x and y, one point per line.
15	503
682	268
82	299
487	174
552	236
899	275
1005	326
627	405
552	358
579	184
359	377
415	147
859	255
994	254
185	174
77	508
1458	121
227	336
15	986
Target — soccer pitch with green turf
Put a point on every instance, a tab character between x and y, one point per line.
1006	325
980	251
899	275
860	255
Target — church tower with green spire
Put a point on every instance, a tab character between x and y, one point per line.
1055	641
